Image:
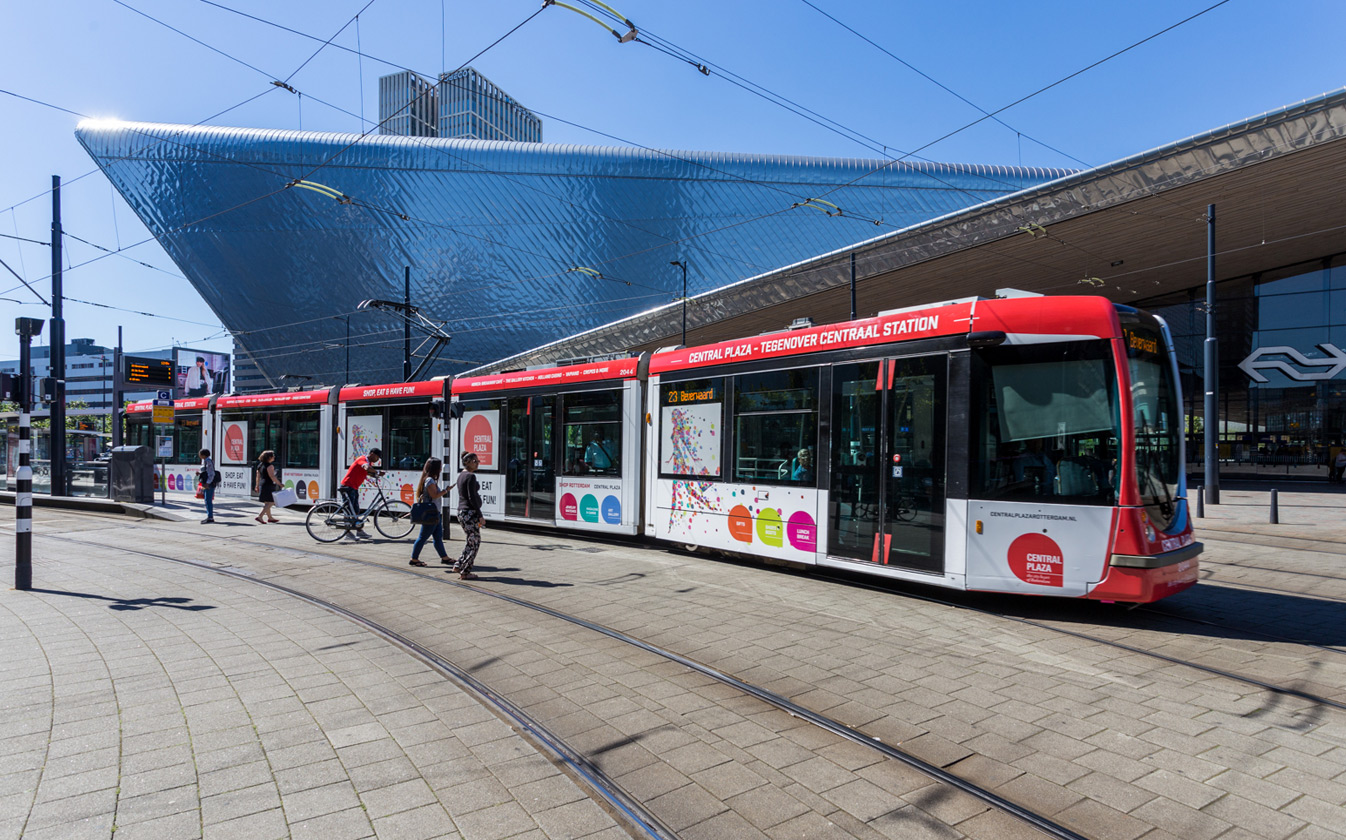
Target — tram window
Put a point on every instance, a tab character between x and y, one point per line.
776	427
263	433
301	439
408	437
187	439
1045	423
691	423
138	432
593	433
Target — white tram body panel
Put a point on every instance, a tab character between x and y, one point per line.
1037	549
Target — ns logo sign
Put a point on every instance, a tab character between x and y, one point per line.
1299	367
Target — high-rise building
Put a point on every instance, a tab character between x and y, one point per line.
463	105
408	105
471	107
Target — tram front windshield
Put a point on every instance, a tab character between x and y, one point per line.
1157	416
1045	423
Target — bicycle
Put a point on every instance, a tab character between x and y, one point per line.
330	520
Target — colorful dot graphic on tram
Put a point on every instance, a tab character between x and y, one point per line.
771	528
588	508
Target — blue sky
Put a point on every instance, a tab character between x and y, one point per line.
101	58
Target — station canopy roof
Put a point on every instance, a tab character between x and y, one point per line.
1134	231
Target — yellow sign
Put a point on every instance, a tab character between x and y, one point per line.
163	415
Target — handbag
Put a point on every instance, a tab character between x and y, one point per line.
284	497
425	513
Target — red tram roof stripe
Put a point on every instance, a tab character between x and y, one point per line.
589	372
433	388
1092	316
287	398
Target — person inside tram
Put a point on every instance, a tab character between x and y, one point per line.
598	455
803	469
1035	465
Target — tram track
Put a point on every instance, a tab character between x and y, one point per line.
848	580
584	769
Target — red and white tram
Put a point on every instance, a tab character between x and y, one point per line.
1019	444
1024	444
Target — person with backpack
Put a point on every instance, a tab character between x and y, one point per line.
209	478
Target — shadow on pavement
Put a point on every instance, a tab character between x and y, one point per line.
134	603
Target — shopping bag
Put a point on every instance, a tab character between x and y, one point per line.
285	497
200	491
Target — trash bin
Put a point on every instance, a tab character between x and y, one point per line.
131	474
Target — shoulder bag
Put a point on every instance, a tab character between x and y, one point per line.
424	512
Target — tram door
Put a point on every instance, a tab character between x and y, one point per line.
888	439
530	480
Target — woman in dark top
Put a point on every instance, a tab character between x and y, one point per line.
267	485
469	516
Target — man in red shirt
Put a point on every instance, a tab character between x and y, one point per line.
355	476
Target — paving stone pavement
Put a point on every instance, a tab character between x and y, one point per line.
217	708
1113	744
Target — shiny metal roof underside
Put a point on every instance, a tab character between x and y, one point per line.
1137	227
489	229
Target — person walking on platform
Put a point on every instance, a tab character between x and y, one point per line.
428	489
267	485
469	516
210	477
360	469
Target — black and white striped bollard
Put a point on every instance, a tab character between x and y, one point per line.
23	510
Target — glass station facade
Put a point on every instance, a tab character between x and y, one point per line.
1282	340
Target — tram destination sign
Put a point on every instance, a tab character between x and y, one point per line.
150	374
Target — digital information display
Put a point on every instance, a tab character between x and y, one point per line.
151	373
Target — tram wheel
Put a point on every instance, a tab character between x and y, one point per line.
327	522
394	520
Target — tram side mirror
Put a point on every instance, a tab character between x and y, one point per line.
987	338
456	410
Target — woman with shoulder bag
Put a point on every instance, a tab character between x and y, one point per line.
429	502
267	485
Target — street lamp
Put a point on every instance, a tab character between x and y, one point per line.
683	266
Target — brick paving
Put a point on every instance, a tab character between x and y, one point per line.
1112	744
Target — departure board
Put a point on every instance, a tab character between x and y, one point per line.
151	373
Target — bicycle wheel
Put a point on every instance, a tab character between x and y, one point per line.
327	522
904	512
394	519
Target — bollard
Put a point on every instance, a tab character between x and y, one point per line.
1275	509
1201	502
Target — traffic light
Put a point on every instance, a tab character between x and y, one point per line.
9	387
48	389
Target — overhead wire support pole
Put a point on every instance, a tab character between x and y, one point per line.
56	446
1212	371
406	328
